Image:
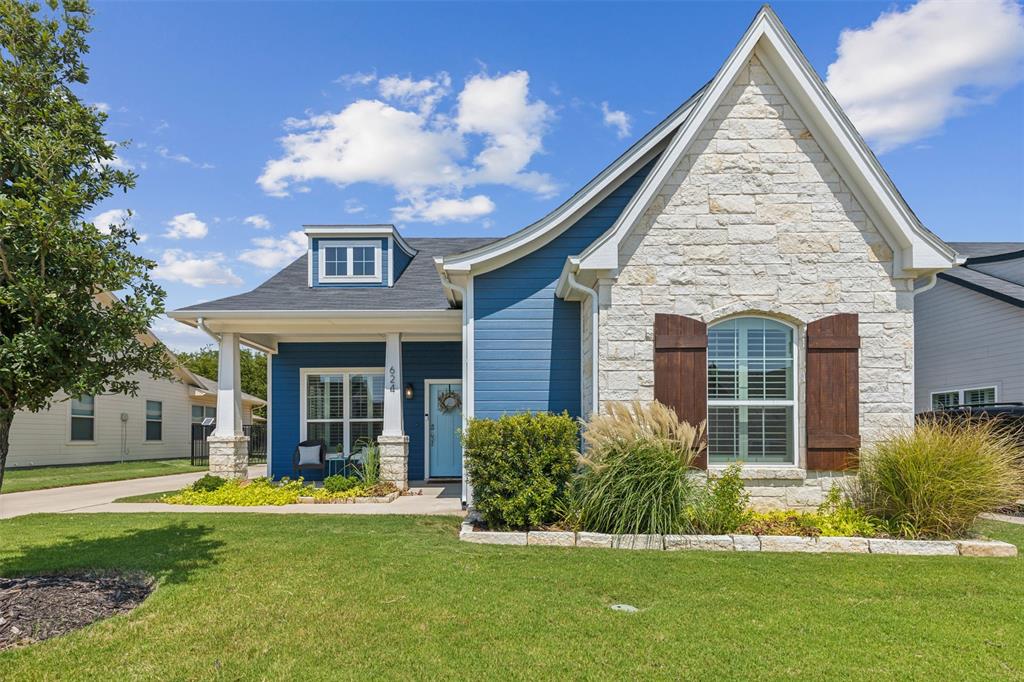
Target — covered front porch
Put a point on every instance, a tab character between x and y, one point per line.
348	381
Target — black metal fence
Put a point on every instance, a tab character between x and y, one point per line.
257	434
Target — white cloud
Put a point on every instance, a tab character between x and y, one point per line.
259	221
101	106
616	119
499	108
198	271
444	210
910	71
405	143
350	80
353	206
115	216
272	253
423	94
177	336
181	158
185	226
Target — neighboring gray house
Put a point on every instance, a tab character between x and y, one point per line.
969	330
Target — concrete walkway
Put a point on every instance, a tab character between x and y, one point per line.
1019	520
99	497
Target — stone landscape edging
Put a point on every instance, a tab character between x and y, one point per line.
382	499
742	543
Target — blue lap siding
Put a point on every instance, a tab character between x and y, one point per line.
420	361
527	341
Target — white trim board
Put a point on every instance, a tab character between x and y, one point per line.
918	251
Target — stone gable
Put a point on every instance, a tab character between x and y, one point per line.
756	218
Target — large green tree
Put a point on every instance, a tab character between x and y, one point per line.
253	366
60	331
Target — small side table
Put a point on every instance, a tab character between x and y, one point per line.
334	463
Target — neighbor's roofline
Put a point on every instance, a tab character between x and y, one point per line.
996	257
538	233
849	151
952	278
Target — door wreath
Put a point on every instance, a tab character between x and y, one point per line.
449	400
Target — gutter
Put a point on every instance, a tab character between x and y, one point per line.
201	323
595	311
932	281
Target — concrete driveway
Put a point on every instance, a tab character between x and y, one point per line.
84	497
99	498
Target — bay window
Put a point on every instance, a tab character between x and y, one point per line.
751	392
343	408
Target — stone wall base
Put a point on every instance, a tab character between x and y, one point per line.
229	456
789	487
394	460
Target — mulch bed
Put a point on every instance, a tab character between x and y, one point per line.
35	608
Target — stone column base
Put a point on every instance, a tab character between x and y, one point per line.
229	456
394	460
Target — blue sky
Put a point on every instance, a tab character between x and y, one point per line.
477	119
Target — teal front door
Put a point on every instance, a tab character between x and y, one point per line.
444	419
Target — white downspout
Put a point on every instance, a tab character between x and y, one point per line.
452	286
932	281
201	323
595	309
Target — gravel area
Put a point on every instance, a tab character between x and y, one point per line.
35	608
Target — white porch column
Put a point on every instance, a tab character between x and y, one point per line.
229	447
394	444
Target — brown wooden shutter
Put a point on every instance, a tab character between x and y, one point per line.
681	369
833	393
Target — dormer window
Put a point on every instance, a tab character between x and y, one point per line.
348	261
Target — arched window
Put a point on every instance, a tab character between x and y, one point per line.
751	392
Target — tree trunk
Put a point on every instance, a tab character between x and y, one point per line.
6	419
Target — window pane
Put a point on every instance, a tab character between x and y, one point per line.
84	406
944	400
197	414
82	428
364	260
767	347
363	434
335	261
750	434
980	396
367	396
154	430
154	409
325	396
211	412
331	433
723	354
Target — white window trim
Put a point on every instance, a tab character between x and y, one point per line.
95	409
347	372
960	394
794	402
324	244
146	420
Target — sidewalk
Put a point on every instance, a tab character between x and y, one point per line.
99	498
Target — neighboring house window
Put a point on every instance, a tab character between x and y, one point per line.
344	409
154	420
985	395
83	418
350	262
201	412
751	392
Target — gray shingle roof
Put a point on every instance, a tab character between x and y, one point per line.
986	284
418	288
985	249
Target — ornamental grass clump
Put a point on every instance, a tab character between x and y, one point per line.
635	475
934	481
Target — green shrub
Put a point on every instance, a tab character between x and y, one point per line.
208	482
263	491
721	506
519	465
781	522
838	517
636	473
339	483
934	481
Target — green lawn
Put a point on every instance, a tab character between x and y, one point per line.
246	596
20	480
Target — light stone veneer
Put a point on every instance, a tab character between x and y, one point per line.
394	460
756	219
229	456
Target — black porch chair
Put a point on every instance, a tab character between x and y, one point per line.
298	466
